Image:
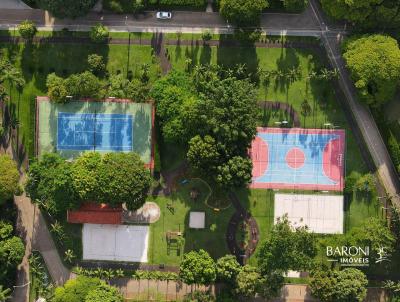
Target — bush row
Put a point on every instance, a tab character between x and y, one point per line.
108	274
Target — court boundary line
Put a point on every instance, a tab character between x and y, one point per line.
338	186
149	165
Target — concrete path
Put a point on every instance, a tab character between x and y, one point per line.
13	4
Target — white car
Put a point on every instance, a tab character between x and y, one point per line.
164	15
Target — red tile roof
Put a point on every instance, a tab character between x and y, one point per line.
96	214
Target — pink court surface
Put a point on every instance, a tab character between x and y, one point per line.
298	159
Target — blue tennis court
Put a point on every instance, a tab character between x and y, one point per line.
94	131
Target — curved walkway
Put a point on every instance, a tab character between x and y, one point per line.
273	105
240	215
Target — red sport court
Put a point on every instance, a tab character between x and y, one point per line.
295	158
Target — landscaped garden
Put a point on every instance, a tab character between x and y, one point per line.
290	84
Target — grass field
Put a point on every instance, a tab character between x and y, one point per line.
320	95
175	217
37	60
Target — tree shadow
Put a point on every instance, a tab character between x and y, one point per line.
205	55
229	55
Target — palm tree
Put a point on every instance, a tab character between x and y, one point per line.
312	75
120	273
188	64
5	293
325	74
69	255
109	274
13	76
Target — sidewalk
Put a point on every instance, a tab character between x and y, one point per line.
13	4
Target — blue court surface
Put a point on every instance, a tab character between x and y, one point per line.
96	132
298	158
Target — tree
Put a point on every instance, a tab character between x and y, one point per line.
339	286
104	293
236	173
227	269
67	8
248	281
199	296
123	178
99	33
203	154
96	64
11	75
287	248
120	87
174	101
366	13
393	290
9	177
365	183
84	85
5	294
242	12
373	233
50	182
295	5
197	268
12	250
56	89
86	177
6	229
374	63
76	290
27	29
137	91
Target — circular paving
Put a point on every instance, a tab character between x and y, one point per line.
295	158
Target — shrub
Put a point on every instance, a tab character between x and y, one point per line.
27	29
99	33
394	149
206	36
96	64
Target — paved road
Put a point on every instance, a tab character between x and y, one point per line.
13	4
304	22
362	115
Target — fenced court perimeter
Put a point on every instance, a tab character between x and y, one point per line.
303	159
104	126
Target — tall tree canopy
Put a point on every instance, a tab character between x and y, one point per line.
339	286
104	293
113	178
9	177
365	13
374	63
242	12
50	181
216	112
287	248
227	269
197	268
75	290
12	251
67	8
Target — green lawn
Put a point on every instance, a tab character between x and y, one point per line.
212	238
38	60
260	203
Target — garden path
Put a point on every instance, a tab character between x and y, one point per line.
241	215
